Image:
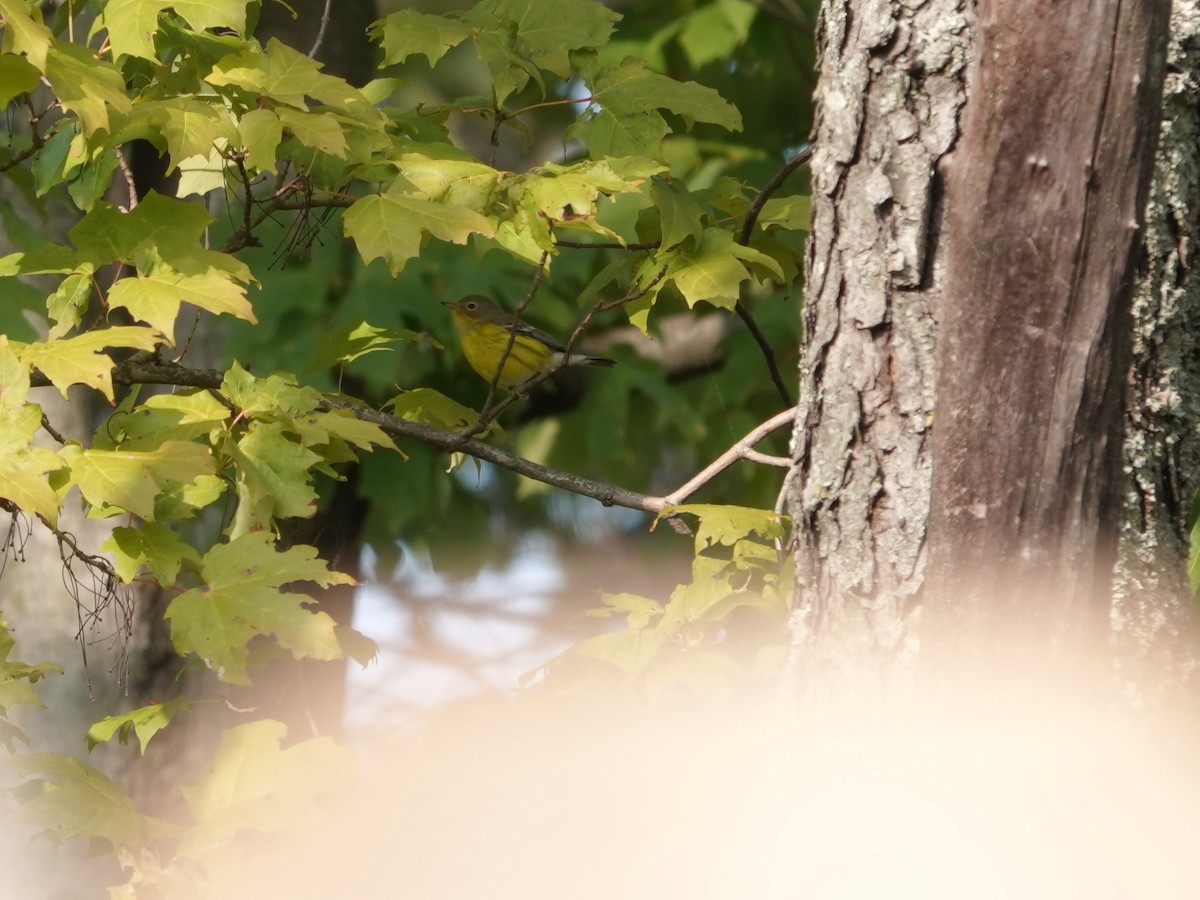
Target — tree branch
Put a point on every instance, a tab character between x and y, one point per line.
149	372
312	54
743	238
740	450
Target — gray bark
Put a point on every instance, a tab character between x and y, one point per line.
891	84
1030	326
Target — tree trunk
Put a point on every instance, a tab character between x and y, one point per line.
1152	616
891	84
1044	200
1019	275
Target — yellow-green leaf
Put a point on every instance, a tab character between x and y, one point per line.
81	360
145	722
393	226
23	467
242	599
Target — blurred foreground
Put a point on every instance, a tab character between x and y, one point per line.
992	796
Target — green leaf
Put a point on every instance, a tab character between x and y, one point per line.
86	86
407	33
758	259
132	24
242	600
729	524
17	76
154	297
131	480
14	378
257	784
192	128
631	88
357	645
432	408
343	425
273	477
81	360
545	31
714	31
351	341
393	225
159	231
261	133
639	611
607	133
289	77
564	194
78	801
714	270
162	417
793	213
24	34
320	131
694	602
274	395
446	175
16	684
680	214
153	545
50	165
629	651
23	467
145	723
93	180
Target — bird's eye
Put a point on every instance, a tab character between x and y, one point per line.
472	305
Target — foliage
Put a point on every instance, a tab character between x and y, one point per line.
740	582
257	130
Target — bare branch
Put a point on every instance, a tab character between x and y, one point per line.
729	457
770	188
127	172
744	239
312	54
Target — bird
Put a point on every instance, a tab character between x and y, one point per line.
486	330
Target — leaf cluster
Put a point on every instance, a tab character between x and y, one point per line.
695	642
258	132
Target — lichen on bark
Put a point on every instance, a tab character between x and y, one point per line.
1152	616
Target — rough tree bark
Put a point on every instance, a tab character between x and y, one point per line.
1017	277
891	84
1152	618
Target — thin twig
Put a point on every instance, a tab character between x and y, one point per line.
606	245
248	199
50	430
763	459
123	164
776	182
765	346
729	457
312	54
743	238
37	139
280	201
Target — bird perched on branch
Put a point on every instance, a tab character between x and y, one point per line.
486	330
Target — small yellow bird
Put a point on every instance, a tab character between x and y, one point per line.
485	331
